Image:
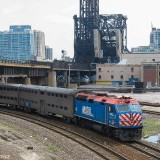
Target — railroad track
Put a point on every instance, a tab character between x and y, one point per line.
102	146
146	149
151	112
101	150
149	104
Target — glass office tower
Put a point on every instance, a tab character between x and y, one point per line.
17	43
155	38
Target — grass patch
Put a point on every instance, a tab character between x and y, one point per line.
151	126
9	126
53	149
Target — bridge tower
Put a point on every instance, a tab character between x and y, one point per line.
84	27
98	38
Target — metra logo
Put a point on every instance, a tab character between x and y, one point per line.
87	111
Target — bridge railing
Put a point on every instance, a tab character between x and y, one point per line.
73	65
54	64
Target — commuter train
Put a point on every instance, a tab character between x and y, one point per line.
120	117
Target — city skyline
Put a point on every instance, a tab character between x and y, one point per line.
55	19
22	43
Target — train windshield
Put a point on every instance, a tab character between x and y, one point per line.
135	107
123	107
129	107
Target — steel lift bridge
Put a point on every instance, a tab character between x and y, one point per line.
98	38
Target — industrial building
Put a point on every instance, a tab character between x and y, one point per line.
151	73
115	74
119	74
138	58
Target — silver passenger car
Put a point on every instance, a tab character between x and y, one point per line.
47	100
9	94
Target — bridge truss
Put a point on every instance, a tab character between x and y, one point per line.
98	37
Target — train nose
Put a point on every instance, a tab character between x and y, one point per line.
130	119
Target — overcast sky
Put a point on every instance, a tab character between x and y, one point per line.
55	19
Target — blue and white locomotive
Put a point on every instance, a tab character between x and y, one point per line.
119	117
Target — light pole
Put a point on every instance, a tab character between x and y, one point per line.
69	74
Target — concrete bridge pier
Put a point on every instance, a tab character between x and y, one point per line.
27	80
52	82
3	80
66	79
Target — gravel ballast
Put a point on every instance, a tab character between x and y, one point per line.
21	140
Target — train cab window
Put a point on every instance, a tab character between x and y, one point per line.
123	108
111	109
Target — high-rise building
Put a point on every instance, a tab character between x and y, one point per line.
154	46
48	53
39	45
17	43
155	38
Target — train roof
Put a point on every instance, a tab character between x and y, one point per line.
31	87
42	88
105	98
49	89
60	90
10	84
